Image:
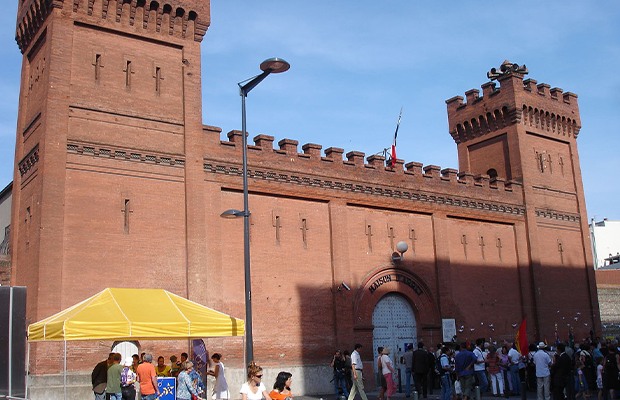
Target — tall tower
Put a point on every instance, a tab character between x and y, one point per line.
109	117
527	132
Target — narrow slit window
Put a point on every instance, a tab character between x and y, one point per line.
97	67
128	73
158	80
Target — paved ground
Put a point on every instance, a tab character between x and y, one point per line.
435	396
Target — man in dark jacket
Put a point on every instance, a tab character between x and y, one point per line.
561	371
420	369
99	378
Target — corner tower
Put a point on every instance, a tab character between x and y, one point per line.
527	132
109	118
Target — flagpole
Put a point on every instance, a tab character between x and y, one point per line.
393	155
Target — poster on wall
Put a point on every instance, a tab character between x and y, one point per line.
449	329
167	388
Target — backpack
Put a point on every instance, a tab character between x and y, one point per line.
438	366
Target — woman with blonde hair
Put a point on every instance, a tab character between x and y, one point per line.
185	385
388	372
254	389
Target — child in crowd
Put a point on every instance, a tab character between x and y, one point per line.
599	377
581	386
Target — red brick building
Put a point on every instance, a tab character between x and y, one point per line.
118	183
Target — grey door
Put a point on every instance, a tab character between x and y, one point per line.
395	326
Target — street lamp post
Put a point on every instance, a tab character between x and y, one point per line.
270	66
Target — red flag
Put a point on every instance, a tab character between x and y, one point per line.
521	339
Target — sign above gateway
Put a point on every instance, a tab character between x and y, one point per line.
395	278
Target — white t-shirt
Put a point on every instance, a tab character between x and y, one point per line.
356	360
385	360
542	361
245	389
514	356
479	357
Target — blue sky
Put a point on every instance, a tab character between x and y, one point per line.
354	64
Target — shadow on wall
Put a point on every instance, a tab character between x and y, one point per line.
489	301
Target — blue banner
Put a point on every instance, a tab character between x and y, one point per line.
200	357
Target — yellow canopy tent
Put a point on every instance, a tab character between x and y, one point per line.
133	314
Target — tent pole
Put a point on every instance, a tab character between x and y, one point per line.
64	373
27	368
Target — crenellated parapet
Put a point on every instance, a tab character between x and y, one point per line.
183	19
354	172
545	110
30	18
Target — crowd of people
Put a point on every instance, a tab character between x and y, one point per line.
117	379
569	371
565	371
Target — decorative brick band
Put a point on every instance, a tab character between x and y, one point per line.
28	162
375	190
123	154
557	215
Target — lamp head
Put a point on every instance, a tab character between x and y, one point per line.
401	248
275	65
232	214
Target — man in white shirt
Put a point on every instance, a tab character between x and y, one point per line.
480	367
358	378
542	361
513	370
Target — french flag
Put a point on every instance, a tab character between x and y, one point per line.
393	155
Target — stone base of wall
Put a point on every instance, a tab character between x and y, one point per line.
307	380
609	303
5	270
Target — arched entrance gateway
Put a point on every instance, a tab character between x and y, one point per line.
394	326
392	307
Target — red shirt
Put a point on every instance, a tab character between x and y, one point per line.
493	364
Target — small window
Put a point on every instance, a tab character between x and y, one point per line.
492	173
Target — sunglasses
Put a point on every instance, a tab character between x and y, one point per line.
258	376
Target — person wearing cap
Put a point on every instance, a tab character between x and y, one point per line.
542	361
128	379
358	378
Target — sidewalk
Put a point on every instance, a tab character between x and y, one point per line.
435	396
